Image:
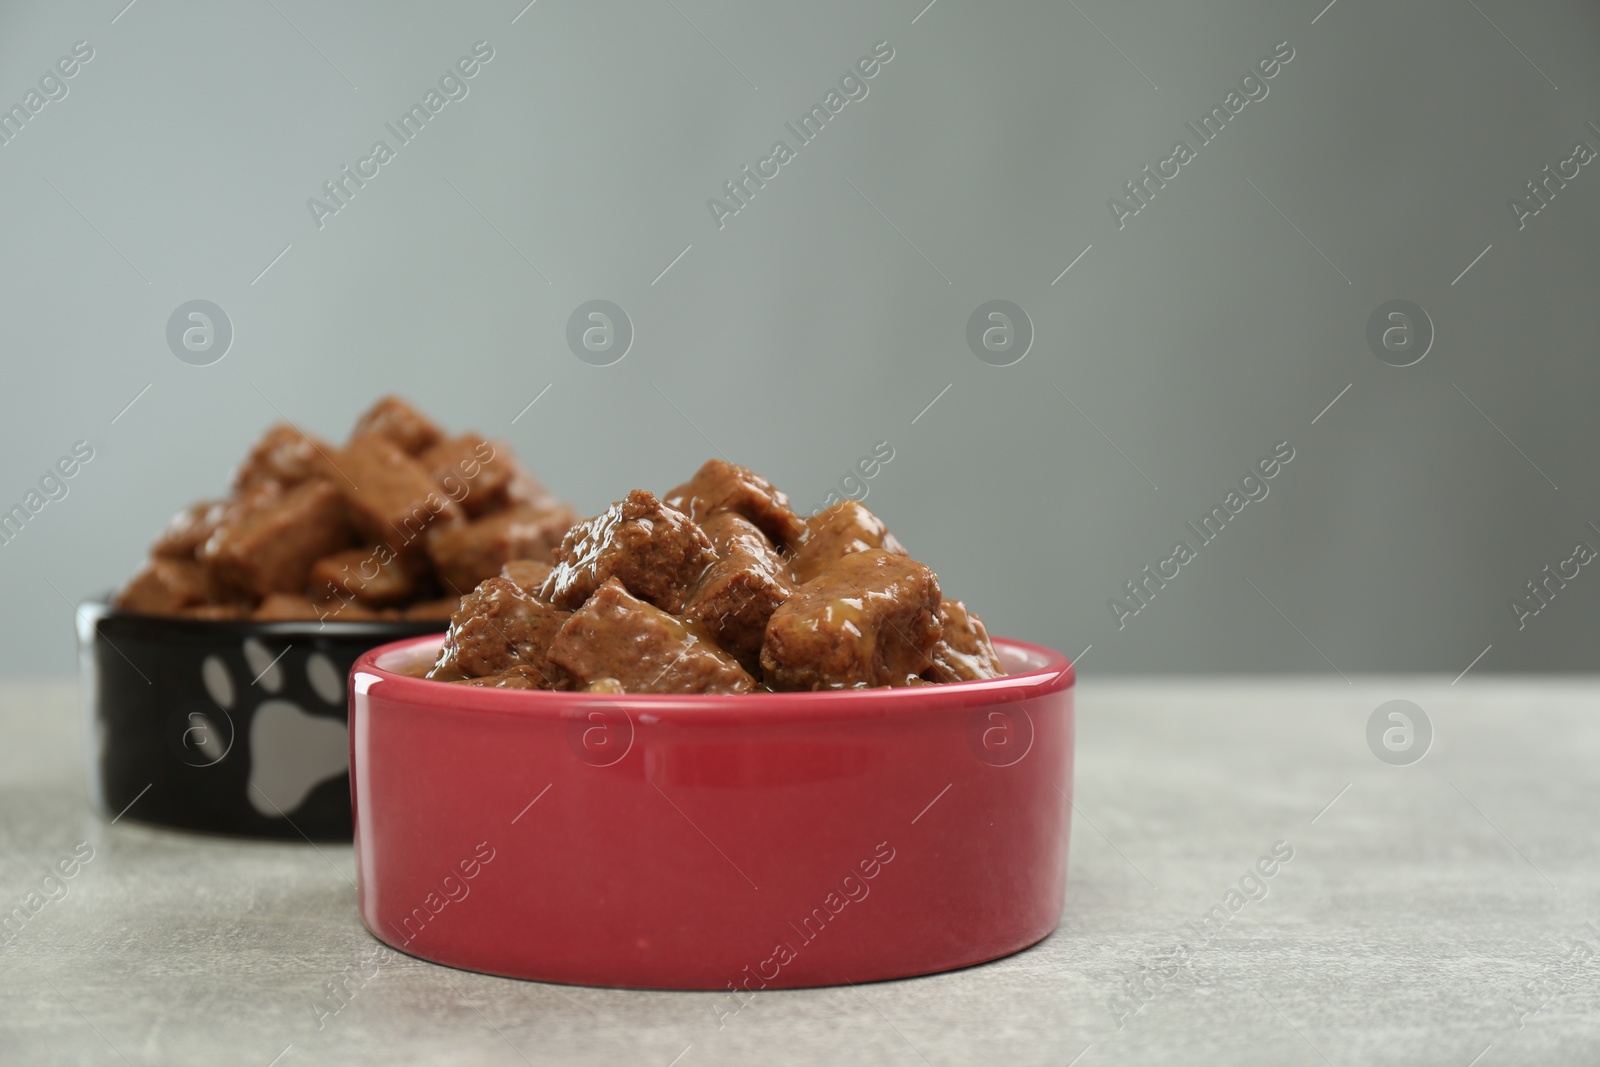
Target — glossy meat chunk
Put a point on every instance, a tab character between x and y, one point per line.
871	619
739	592
498	627
617	636
722	486
271	546
164	587
476	473
654	550
393	418
835	533
372	575
963	652
391	497
284	457
466	554
530	574
189	529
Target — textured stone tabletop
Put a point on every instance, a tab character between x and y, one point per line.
1442	912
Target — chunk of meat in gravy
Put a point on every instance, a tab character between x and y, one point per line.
398	487
372	575
285	607
722	486
833	534
285	457
228	513
401	423
164	587
729	532
654	550
964	652
530	574
498	627
739	592
271	547
466	554
475	473
617	636
391	498
871	619
189	529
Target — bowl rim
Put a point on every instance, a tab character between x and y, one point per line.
1055	674
99	610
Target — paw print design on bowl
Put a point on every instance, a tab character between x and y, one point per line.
233	727
292	750
201	731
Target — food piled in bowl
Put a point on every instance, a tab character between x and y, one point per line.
397	524
719	587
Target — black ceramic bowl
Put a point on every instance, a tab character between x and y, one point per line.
234	727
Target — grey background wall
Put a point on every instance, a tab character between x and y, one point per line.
832	309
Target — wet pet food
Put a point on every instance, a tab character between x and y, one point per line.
399	523
716	587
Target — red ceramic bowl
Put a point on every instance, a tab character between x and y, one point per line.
711	842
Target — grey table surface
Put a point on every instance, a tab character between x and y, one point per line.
1443	912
